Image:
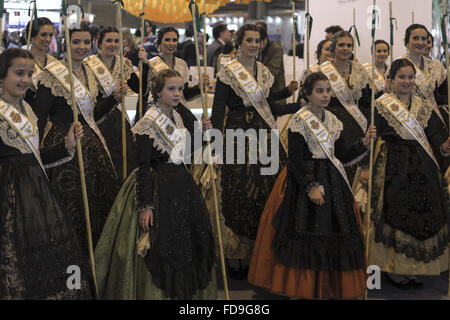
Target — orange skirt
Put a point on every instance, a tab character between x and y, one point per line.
308	284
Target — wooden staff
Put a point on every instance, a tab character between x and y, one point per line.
294	47
205	96
390	21
372	110
31	25
79	151
211	168
122	79
412	17
141	69
354	32
308	19
444	12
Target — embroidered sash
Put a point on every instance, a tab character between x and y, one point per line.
37	70
158	64
379	79
27	130
82	97
401	113
254	93
424	85
174	137
324	139
222	60
343	93
104	78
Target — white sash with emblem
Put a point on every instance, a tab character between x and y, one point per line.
425	87
379	78
254	93
158	64
24	127
323	137
401	113
174	137
104	78
82	97
37	70
343	93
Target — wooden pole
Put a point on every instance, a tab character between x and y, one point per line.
444	11
80	153
369	189
294	48
412	17
141	69
390	21
307	34
211	168
122	79
354	32
205	96
31	25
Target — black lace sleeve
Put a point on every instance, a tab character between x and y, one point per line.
52	154
441	93
282	109
219	104
276	95
437	134
42	107
104	106
300	162
144	185
190	92
352	152
133	82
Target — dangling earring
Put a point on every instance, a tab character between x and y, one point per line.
1	87
239	52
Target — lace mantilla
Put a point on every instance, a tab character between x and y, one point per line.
358	80
180	66
331	121
127	69
49	81
145	126
9	135
264	77
420	109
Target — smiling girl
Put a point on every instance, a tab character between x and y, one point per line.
53	107
309	242
37	242
162	202
409	222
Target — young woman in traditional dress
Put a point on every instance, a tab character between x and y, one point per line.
40	41
430	76
409	223
160	208
244	188
106	68
310	242
53	102
323	54
167	43
381	54
350	101
37	242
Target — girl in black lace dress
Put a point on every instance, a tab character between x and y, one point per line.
53	103
111	124
244	188
310	241
37	244
409	223
159	206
